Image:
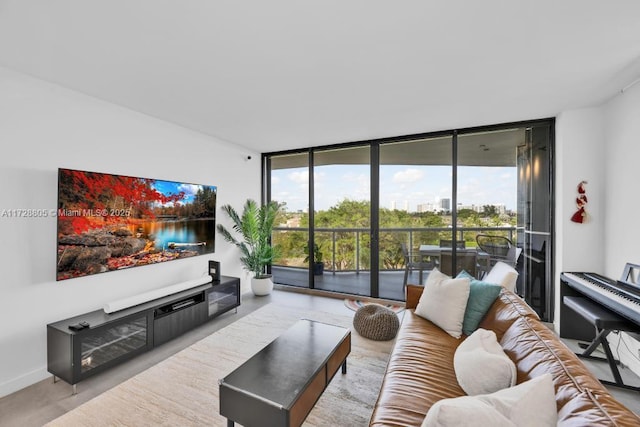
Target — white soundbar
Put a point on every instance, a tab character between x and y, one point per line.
155	294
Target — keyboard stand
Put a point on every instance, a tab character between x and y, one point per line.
605	321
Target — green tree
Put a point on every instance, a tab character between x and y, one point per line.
489	210
352	214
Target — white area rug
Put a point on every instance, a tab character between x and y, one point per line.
183	389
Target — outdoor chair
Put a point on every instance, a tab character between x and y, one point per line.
414	261
499	248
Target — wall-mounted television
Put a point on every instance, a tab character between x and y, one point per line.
110	222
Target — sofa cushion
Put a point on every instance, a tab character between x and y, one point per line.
481	297
481	365
502	274
507	308
464	411
531	403
536	349
444	301
419	373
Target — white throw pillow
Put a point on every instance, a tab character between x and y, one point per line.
464	412
530	404
481	364
502	274
444	301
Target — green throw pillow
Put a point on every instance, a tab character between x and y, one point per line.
481	298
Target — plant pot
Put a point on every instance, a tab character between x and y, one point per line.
262	286
318	268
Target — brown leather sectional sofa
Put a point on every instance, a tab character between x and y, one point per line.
420	370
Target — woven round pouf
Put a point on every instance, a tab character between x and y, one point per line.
376	322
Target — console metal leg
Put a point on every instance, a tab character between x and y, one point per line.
74	388
344	367
230	423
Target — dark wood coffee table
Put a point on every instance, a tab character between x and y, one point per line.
281	383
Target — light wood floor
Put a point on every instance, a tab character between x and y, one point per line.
44	401
631	399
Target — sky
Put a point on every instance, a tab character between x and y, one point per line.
170	187
405	185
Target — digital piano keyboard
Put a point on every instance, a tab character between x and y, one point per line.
619	296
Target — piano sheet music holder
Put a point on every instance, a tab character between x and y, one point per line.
630	275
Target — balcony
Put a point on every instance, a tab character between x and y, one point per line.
347	257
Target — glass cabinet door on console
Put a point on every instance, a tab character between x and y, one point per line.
223	296
108	344
73	355
84	345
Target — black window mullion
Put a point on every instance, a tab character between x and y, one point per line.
375	219
312	225
454	198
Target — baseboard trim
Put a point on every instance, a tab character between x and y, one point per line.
16	384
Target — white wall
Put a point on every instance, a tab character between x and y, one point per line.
622	163
600	145
43	127
621	202
579	156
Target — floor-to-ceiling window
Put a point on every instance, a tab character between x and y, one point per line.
535	218
289	185
415	209
382	214
342	218
486	205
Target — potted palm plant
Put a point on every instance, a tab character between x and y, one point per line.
318	265
254	228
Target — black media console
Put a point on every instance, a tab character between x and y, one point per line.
75	352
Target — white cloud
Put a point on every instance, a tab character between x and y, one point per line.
407	176
189	189
299	177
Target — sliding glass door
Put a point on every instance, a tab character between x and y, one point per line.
415	210
535	220
342	218
486	197
289	185
368	218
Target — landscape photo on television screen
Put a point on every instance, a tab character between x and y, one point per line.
111	222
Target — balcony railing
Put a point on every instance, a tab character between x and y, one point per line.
348	249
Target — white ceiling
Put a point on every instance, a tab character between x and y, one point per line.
282	74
